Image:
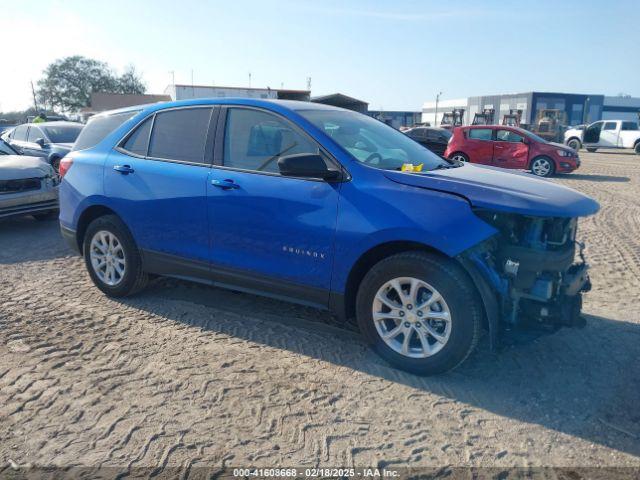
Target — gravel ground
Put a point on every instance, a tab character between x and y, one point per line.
186	376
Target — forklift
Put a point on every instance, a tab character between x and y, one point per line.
452	119
550	124
484	118
512	119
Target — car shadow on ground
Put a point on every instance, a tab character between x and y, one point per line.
580	382
13	249
593	178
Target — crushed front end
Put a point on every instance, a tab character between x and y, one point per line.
529	268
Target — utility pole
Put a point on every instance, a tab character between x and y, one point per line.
249	79
309	84
173	77
35	104
435	118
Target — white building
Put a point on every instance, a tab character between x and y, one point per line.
185	92
429	109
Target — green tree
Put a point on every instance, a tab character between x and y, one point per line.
68	82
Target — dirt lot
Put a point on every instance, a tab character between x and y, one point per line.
185	375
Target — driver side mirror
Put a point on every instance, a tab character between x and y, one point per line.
41	142
306	165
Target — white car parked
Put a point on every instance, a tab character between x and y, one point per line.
605	134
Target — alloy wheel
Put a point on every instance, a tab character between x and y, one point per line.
459	158
107	258
412	317
541	167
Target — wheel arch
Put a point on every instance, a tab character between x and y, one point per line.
573	138
346	308
88	216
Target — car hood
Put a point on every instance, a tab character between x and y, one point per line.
560	146
14	167
497	189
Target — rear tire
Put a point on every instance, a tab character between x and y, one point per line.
112	257
637	148
444	291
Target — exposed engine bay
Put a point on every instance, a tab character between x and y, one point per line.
531	269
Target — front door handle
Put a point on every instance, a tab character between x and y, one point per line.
123	169
225	184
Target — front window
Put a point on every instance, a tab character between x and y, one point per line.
63	134
372	142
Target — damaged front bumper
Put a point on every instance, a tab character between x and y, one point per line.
527	275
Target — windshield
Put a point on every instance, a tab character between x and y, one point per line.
63	134
372	142
533	136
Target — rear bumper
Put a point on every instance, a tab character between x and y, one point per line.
70	237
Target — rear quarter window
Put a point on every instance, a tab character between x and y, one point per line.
99	127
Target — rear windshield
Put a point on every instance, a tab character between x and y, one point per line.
63	133
99	127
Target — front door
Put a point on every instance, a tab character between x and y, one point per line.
32	148
479	145
509	150
269	232
157	180
592	134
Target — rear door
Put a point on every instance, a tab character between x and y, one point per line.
609	134
157	180
509	150
479	145
18	137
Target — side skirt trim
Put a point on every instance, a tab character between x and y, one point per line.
240	280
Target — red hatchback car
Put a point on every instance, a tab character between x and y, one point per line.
511	147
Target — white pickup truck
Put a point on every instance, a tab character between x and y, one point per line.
605	134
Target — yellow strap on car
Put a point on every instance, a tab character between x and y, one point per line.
410	167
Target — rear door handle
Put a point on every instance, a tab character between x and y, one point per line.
123	169
225	184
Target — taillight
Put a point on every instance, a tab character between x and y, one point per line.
65	165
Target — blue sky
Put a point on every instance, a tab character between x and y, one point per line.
393	54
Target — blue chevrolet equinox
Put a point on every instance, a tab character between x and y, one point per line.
329	208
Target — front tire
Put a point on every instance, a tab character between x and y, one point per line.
420	312
542	167
459	157
574	143
637	148
591	150
112	257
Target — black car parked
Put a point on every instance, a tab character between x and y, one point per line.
435	139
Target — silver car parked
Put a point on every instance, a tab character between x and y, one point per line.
28	186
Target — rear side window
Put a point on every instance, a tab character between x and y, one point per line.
138	140
20	133
98	128
480	133
609	126
629	126
180	135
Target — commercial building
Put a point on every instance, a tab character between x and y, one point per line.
396	118
102	102
579	108
186	92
